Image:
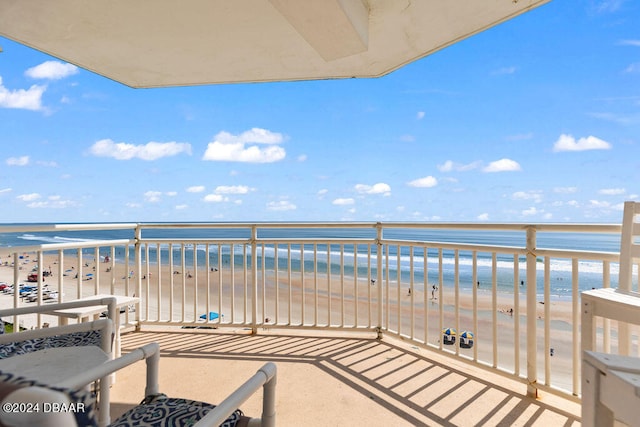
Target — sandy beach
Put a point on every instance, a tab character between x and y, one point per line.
310	299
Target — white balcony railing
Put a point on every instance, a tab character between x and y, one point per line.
520	301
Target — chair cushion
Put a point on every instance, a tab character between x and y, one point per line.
84	401
73	339
161	411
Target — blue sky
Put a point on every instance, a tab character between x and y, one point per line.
535	120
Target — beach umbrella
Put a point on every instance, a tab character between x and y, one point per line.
212	316
449	331
466	339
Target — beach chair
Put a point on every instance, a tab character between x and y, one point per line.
28	356
611	382
156	408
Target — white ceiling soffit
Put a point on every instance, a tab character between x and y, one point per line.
156	43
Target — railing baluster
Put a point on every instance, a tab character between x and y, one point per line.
356	293
456	289
158	280
184	281
412	293
547	322
440	297
290	302
425	284
494	307
474	281
575	330
315	284
276	282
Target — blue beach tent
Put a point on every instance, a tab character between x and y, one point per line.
212	316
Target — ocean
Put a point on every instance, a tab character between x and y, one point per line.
356	258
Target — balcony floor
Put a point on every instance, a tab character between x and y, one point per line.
329	379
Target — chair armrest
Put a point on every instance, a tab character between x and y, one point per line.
266	378
149	352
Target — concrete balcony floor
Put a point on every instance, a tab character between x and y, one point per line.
332	379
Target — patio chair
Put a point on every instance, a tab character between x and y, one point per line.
156	409
610	382
24	354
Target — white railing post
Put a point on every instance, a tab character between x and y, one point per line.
254	279
138	278
379	277
532	374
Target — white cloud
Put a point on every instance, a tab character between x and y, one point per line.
425	182
446	166
629	43
53	202
149	151
569	143
612	191
623	119
532	211
282	205
379	188
181	207
29	197
519	137
449	166
30	99
302	158
565	190
504	70
232	189
483	217
605	6
52	70
527	195
196	189
503	165
343	202
6	190
420	115
215	198
234	148
152	196
633	68
47	164
18	161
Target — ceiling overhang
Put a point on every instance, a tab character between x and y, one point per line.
158	43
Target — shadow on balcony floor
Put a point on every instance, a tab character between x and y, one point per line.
340	381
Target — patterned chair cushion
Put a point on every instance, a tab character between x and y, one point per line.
161	411
65	340
85	402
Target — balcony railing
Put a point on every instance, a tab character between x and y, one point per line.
515	287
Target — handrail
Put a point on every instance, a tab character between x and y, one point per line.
304	275
266	378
